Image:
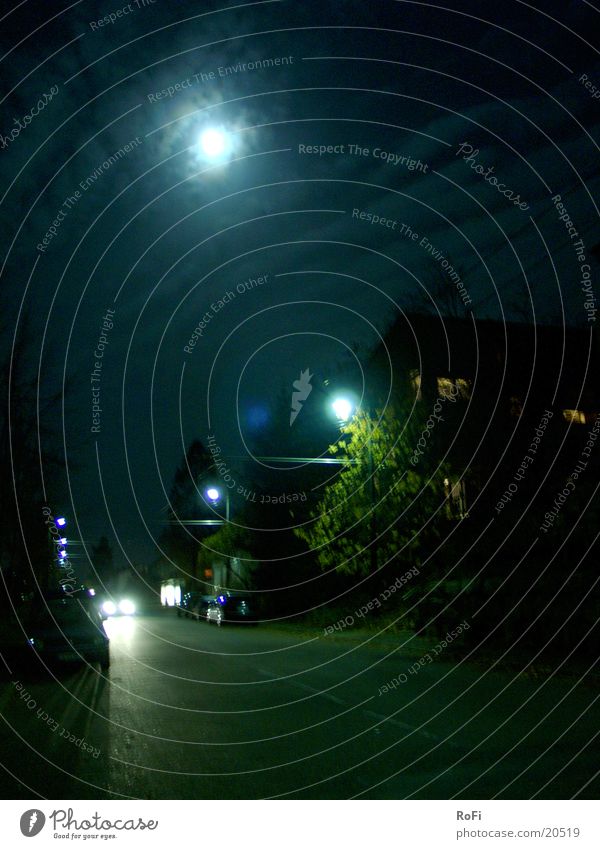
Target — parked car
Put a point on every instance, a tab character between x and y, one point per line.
199	608
67	630
229	609
192	603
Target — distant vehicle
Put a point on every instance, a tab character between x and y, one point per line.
121	607
229	609
67	630
194	604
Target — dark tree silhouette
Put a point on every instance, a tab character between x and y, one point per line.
181	536
29	447
102	561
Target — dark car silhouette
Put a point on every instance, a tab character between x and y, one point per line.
194	604
230	609
66	630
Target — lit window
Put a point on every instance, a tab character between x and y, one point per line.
452	388
170	595
575	416
415	379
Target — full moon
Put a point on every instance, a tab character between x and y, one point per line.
213	142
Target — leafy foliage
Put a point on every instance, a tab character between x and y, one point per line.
380	507
180	537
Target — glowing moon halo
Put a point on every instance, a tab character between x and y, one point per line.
213	142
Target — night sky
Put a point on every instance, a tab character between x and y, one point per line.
121	234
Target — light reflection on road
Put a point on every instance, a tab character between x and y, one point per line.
120	630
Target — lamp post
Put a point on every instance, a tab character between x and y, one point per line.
343	408
214	496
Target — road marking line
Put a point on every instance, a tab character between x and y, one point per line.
320	693
306	687
406	727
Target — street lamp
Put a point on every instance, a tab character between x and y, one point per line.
214	495
343	408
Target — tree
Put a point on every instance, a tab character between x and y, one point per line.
382	507
102	560
180	539
29	441
229	550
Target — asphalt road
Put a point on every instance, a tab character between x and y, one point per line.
190	711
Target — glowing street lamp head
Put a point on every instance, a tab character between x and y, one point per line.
61	522
342	408
213	494
213	142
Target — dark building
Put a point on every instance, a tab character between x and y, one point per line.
508	392
517	437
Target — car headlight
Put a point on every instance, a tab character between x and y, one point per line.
126	607
109	607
